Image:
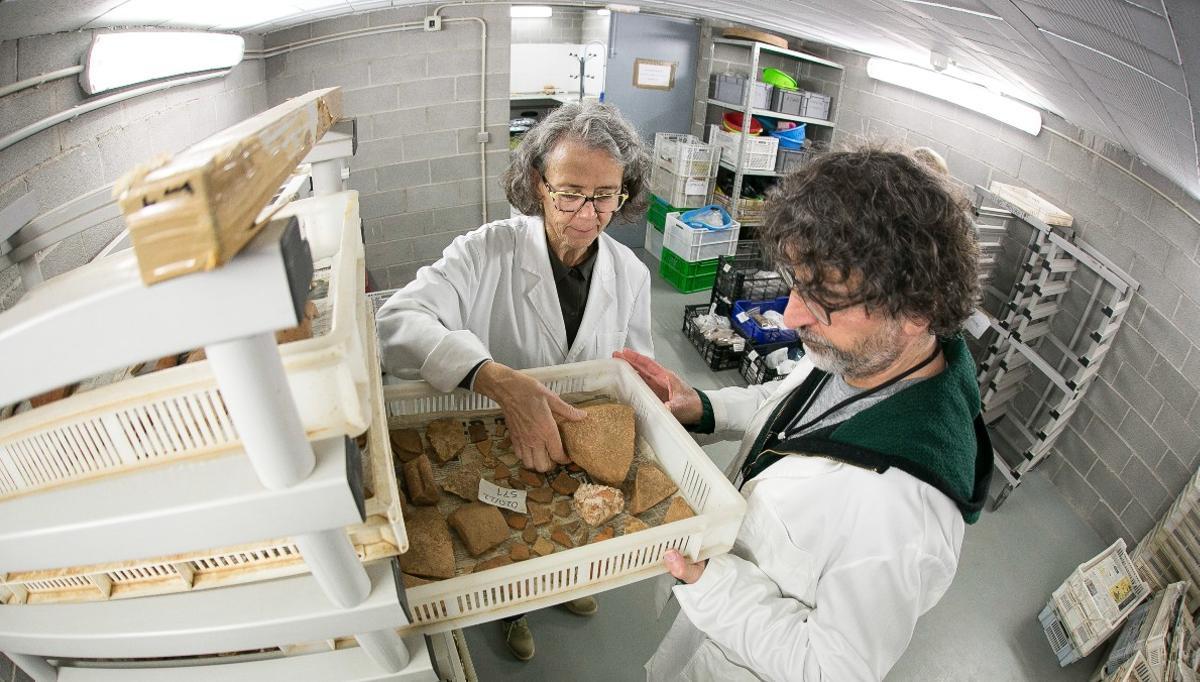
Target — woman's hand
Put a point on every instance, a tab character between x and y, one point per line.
531	412
682	400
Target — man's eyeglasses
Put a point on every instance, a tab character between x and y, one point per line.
572	202
821	311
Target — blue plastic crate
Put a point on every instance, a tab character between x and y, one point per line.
752	331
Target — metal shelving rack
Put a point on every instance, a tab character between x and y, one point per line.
277	484
814	124
1028	355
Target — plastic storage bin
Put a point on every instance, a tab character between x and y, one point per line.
683	191
658	210
699	244
753	367
790	102
816	105
178	412
567	574
731	89
654	240
745	276
687	277
792	160
759	336
716	356
685	154
760	151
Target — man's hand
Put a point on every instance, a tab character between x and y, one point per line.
530	412
681	399
679	567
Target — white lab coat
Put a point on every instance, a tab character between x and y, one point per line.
827	577
492	295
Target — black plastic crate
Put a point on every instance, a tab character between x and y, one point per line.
753	367
717	357
745	276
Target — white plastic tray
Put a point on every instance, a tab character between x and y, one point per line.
178	412
573	573
382	534
694	245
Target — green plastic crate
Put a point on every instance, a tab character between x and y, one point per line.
656	214
686	277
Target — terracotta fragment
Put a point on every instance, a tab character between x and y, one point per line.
606	534
603	443
51	396
516	521
197	355
518	552
530	535
431	551
574	468
485	448
516	484
561	538
543	494
501	473
464	483
531	478
543	547
633	525
506	443
477	432
447	438
678	510
406	444
418	479
480	526
650	486
540	513
411	581
596	504
496	562
562	508
509	459
564	484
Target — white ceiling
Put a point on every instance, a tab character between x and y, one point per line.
1120	68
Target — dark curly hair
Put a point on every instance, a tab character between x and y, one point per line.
599	126
884	223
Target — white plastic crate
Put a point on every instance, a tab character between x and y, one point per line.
654	241
693	245
381	534
179	412
681	191
685	154
1094	601
760	151
573	573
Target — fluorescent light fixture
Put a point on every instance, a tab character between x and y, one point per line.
628	9
116	60
602	12
530	11
967	95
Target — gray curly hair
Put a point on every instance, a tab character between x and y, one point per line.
599	126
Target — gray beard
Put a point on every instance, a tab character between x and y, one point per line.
870	356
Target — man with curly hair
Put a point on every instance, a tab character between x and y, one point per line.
863	466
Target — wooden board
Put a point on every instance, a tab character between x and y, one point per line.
756	36
195	210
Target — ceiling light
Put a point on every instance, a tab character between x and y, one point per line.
530	11
967	95
602	13
116	60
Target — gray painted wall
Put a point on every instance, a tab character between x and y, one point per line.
416	97
96	148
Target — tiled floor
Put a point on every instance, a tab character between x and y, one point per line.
985	628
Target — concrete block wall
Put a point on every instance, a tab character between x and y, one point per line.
565	25
1129	450
93	150
415	95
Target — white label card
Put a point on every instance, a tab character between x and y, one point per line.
695	186
742	317
505	498
976	324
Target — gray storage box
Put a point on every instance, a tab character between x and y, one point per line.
791	160
731	89
790	102
816	105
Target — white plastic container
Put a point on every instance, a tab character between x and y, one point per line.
569	574
693	245
760	150
382	534
654	241
685	155
178	412
681	191
1094	601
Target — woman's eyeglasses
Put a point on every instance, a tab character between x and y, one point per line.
572	202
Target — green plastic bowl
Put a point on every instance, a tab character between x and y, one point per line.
779	79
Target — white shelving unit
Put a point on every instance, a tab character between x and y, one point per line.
276	482
819	130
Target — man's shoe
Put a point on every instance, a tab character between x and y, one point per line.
584	606
518	638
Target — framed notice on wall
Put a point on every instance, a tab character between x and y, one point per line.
653	74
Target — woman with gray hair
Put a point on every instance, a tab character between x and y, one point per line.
544	288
